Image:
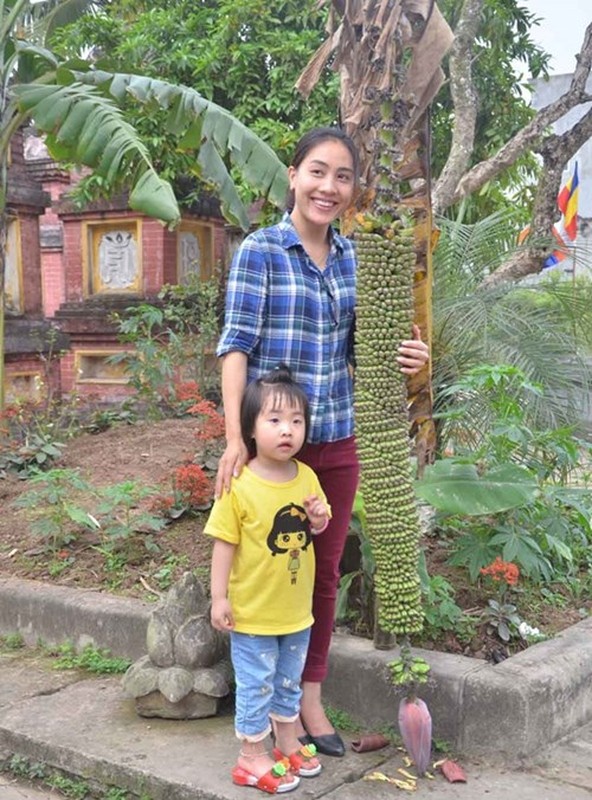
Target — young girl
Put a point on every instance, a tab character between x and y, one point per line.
262	580
291	297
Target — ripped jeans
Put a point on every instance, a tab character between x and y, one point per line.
267	670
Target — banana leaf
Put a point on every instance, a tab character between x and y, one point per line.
456	488
87	128
220	140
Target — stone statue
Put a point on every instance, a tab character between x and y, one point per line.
186	670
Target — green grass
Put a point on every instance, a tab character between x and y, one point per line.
66	785
92	659
12	641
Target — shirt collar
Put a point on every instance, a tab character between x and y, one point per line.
290	236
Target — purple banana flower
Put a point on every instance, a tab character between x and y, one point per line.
415	726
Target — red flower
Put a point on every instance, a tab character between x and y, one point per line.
212	423
192	484
505	571
162	504
187	390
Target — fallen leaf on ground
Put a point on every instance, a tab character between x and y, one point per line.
408	786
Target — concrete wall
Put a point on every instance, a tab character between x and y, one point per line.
512	709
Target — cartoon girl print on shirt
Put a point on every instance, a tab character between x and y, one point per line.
290	533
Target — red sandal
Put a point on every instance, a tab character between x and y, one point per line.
270	782
298	761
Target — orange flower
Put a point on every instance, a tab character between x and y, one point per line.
505	571
194	486
187	390
212	423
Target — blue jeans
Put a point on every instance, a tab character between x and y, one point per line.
267	671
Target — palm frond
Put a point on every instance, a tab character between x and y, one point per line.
544	328
220	140
85	127
40	19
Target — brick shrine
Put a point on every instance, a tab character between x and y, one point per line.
68	270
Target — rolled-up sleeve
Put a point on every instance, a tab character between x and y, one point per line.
246	294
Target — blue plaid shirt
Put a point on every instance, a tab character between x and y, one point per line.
281	307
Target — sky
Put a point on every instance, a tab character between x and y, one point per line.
561	31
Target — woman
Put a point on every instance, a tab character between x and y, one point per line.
291	299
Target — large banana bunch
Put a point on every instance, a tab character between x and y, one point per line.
384	316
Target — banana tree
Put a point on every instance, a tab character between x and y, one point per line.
79	109
388	54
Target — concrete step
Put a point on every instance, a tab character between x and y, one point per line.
87	728
501	718
14	789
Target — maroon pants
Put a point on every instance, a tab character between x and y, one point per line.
336	465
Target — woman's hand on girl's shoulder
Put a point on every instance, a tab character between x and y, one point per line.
232	460
414	354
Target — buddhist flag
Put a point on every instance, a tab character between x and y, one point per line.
560	252
567	200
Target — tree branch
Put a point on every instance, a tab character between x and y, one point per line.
530	136
556	151
466	103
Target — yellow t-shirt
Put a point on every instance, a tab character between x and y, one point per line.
272	576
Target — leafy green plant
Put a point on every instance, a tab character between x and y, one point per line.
510	491
55	516
115	794
166	574
149	366
502	618
441	613
90	658
114	564
75	788
12	641
38	451
103	419
68	786
544	328
61	563
19	765
341	719
121	518
454	486
196	306
172	342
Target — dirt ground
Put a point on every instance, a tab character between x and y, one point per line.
145	452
